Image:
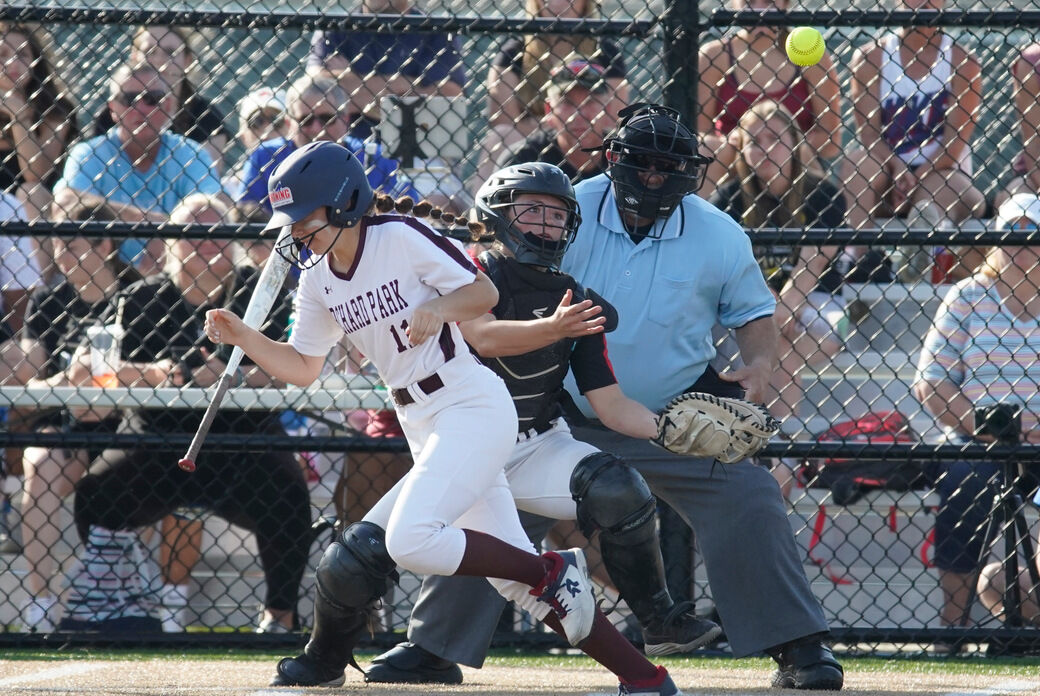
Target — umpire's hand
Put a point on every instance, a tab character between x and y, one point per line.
753	378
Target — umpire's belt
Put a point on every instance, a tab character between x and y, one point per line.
427	386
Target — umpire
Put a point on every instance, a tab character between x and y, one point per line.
673	266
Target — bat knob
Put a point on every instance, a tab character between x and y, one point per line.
186	465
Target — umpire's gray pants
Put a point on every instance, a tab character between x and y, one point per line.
753	565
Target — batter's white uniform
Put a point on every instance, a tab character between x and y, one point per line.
460	435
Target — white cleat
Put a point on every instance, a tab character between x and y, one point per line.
568	590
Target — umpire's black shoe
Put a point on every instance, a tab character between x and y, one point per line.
807	664
408	663
679	631
306	671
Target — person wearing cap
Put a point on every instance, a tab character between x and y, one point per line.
316	109
581	108
261	117
981	351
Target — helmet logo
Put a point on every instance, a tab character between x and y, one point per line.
281	196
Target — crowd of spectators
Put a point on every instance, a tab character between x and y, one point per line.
159	150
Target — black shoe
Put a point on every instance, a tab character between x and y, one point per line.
680	631
408	663
306	671
808	664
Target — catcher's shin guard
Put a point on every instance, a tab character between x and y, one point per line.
352	576
614	499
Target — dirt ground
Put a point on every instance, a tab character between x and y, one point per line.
154	677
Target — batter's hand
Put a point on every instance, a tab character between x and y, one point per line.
753	378
575	321
224	326
426	322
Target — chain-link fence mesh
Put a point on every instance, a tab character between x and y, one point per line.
887	190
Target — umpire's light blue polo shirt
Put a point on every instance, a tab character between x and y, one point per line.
669	292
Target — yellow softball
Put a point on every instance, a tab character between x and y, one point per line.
805	46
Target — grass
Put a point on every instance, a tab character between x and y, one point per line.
993	667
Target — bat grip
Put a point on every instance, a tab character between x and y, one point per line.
188	462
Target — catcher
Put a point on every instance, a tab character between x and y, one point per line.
531	209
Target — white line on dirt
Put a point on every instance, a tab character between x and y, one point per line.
1008	687
48	674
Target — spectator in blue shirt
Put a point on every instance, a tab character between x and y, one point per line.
316	108
370	65
139	168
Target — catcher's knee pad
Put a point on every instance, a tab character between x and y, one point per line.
614	498
356	569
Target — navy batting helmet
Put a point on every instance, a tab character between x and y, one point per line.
651	138
318	174
496	208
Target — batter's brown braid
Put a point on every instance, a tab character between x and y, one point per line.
424	209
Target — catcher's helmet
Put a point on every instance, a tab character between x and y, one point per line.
651	138
495	208
318	174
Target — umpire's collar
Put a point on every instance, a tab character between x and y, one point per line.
610	217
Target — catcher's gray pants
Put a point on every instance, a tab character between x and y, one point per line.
754	567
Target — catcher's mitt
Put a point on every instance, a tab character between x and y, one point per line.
702	425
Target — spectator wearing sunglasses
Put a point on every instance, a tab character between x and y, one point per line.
316	108
138	167
168	50
261	117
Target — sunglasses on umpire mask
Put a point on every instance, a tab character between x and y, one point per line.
148	97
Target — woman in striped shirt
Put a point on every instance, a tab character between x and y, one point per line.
982	350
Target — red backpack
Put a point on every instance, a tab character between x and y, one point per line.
849	479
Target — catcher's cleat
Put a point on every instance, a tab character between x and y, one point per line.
568	590
662	685
679	631
409	663
808	664
306	671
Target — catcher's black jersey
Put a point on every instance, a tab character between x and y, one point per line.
535	379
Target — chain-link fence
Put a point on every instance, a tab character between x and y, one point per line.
890	192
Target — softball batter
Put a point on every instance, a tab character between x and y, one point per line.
397	289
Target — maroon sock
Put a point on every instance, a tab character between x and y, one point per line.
489	557
612	650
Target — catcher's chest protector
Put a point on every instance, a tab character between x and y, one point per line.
525	294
